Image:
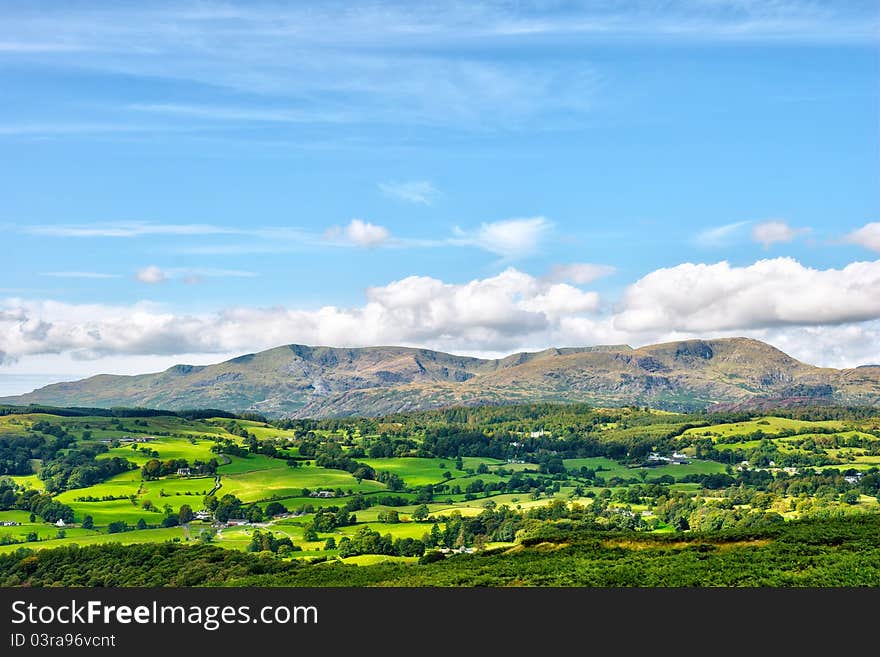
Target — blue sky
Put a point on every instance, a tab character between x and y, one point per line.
189	181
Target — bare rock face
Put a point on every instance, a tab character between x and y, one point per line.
303	381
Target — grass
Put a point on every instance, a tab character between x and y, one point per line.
168	448
96	538
769	425
281	481
611	468
28	481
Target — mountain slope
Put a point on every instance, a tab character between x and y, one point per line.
324	381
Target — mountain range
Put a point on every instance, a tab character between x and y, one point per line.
303	381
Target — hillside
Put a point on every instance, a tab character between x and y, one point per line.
303	381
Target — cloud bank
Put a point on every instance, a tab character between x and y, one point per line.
822	316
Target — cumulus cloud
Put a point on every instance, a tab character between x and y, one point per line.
151	275
867	236
509	238
421	192
359	233
493	313
770	232
579	273
781	291
821	316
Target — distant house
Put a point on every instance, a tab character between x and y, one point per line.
322	493
184	472
677	458
202	515
60	523
234	522
9	523
539	434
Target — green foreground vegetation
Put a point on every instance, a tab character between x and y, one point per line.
836	552
496	491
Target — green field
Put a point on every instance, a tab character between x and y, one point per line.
769	425
258	478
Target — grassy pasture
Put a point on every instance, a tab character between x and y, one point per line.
281	481
612	468
95	538
415	471
27	481
250	463
769	425
168	448
370	559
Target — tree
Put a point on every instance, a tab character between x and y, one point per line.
389	516
185	514
421	512
330	544
88	522
141	523
274	509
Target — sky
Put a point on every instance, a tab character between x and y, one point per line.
185	182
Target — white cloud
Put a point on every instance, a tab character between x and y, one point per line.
580	273
770	232
702	297
821	316
189	275
720	235
79	274
867	236
151	275
127	229
359	233
493	313
238	114
420	192
509	238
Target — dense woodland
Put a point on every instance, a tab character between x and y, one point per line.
805	553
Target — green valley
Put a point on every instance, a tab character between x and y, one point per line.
411	489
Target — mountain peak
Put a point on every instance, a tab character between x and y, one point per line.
302	380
